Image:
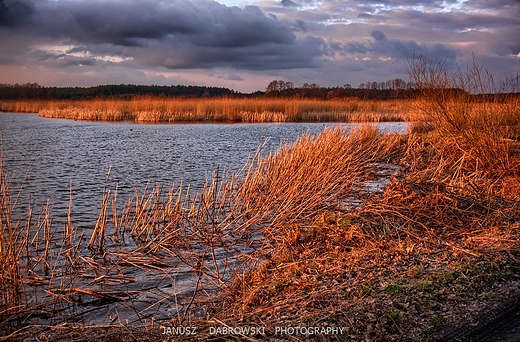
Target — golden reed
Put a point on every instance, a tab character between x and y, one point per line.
249	110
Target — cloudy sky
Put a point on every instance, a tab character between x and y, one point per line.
243	45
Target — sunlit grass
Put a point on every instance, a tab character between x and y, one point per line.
248	110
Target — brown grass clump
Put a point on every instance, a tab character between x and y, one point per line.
475	122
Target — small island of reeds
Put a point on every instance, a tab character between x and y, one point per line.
149	109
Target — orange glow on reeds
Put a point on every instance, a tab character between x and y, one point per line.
248	110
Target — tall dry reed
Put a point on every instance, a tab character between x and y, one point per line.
22	106
250	110
473	122
255	206
11	292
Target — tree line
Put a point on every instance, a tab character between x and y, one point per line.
391	89
35	91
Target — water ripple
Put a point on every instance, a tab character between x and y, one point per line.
46	155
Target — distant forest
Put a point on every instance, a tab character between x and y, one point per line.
35	91
392	89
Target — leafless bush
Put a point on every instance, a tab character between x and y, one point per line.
473	118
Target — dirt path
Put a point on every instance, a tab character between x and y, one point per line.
501	325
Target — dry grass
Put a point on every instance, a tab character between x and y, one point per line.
472	136
438	246
22	106
10	285
158	109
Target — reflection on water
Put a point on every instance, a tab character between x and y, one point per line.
46	155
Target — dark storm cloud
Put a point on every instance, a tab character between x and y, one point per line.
381	46
288	3
174	34
303	53
300	24
13	13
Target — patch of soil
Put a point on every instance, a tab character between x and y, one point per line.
500	325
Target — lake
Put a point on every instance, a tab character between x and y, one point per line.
46	155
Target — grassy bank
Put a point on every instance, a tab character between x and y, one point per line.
157	109
283	243
421	260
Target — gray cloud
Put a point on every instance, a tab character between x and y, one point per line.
378	35
65	61
329	42
231	77
493	4
174	54
234	77
300	24
52	60
173	34
397	49
14	13
288	3
455	21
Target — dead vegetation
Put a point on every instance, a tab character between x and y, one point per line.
248	110
438	246
282	244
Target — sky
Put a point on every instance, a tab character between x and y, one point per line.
243	45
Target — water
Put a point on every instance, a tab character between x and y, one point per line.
46	155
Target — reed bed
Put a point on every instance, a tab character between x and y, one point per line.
472	135
22	106
247	110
